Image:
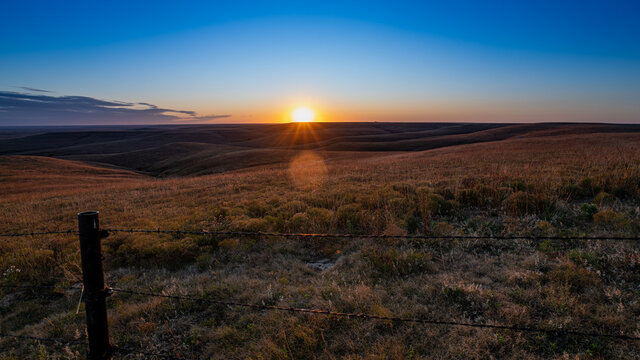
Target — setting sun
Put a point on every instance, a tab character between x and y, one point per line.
302	114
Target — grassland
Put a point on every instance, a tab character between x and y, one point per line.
544	182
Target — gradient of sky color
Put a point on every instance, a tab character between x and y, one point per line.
489	61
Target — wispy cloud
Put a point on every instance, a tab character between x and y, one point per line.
19	108
33	89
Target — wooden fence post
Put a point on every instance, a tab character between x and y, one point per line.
95	292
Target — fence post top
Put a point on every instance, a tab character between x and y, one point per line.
88	213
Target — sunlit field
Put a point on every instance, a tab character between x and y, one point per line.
565	185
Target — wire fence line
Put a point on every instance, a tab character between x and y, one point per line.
333	235
364	316
53	287
39	233
359	316
309	311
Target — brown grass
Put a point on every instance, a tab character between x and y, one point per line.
518	186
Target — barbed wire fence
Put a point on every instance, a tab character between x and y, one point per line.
98	341
334	235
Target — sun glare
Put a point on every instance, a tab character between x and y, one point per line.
302	114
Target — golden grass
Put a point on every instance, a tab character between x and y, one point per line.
519	186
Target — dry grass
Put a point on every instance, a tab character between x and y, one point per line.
519	186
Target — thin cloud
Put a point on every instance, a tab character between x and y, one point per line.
19	108
204	118
33	89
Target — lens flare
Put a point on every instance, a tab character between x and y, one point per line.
307	171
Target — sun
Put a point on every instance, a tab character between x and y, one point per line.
302	114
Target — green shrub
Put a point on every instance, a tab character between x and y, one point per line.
574	192
399	206
582	257
589	186
257	208
292	207
435	205
413	223
320	219
587	211
251	225
348	216
469	197
299	222
391	262
522	203
172	254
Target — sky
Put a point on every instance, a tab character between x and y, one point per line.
134	62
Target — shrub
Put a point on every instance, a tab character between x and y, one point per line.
469	197
399	206
348	216
584	257
229	244
519	185
391	262
443	228
522	203
413	223
251	225
404	188
611	219
257	208
298	222
203	262
587	211
172	254
604	198
436	205
576	277
547	246
320	219
589	186
292	207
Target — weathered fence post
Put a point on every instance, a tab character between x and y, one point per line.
95	292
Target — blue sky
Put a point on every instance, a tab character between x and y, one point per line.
499	61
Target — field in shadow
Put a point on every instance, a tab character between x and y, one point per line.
205	149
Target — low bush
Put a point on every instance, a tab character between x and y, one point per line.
469	197
610	218
604	198
321	220
348	217
587	211
522	203
385	262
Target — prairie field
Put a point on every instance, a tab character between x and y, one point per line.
483	181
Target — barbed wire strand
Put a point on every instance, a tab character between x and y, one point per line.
39	233
54	287
378	317
334	235
371	236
